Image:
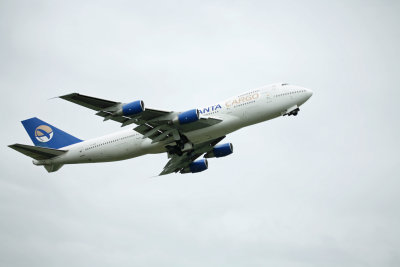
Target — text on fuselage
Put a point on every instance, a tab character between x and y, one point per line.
241	100
210	109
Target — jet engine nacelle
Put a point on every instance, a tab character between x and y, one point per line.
132	108
187	117
196	166
220	151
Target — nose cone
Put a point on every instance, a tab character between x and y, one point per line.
305	95
309	93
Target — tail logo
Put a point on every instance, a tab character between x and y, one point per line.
43	133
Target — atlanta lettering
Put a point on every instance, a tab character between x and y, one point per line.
210	109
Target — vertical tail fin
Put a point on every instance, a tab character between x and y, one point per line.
46	135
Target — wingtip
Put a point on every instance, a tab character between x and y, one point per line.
66	96
163	173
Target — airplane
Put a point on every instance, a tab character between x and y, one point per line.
184	136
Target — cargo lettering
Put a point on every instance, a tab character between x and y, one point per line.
241	100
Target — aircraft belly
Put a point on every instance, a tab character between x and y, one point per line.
215	131
254	116
107	153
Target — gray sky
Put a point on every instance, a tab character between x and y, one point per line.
319	189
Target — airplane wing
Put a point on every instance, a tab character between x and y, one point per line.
107	108
157	125
179	163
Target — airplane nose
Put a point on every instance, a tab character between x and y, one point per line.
308	93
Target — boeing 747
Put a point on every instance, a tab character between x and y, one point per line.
184	136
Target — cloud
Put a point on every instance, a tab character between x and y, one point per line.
318	189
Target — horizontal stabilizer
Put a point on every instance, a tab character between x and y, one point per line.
36	152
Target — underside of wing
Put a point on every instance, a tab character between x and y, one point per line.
125	114
89	101
179	163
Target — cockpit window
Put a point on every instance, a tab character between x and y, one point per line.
283	84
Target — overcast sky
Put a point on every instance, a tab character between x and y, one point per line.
319	189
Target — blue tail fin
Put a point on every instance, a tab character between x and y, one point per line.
46	135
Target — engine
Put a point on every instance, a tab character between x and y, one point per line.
196	166
187	117
220	151
133	108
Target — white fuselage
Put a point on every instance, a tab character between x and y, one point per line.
246	109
